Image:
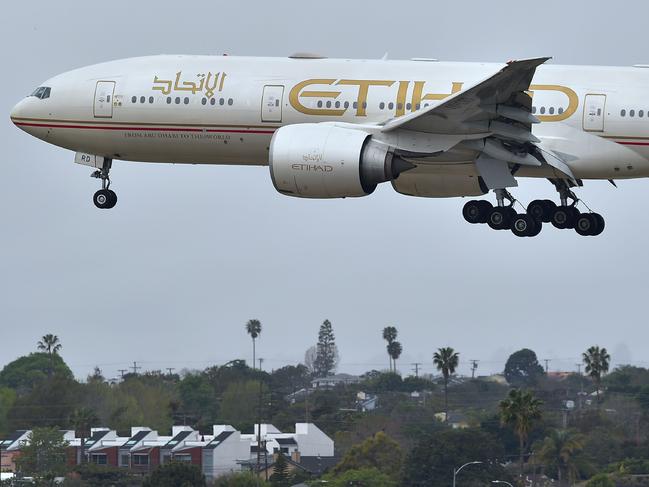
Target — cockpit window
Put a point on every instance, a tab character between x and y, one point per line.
42	92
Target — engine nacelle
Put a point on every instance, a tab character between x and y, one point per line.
320	160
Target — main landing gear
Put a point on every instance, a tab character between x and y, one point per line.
530	223
105	198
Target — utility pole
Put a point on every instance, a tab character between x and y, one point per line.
261	392
261	361
547	361
135	368
122	372
416	369
170	370
474	366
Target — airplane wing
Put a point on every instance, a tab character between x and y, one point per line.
495	116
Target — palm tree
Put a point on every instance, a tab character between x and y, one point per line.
51	345
561	450
394	350
446	360
597	361
253	327
519	410
82	420
389	335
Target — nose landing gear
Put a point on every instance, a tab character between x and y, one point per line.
105	198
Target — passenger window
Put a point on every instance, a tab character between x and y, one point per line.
329	104
230	101
381	106
560	110
319	103
355	105
221	101
391	106
418	106
623	113
213	101
142	99
542	110
134	99
204	101
408	106
346	104
551	110
632	113
533	109
364	104
151	99
641	113
177	100
168	100
186	100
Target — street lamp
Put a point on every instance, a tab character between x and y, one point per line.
457	470
501	482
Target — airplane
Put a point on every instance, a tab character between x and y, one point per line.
337	128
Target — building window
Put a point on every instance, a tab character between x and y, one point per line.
183	457
124	461
99	459
140	459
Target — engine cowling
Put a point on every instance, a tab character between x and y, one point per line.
320	160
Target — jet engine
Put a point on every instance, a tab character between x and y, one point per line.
321	160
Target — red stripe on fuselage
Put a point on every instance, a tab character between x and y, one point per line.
144	129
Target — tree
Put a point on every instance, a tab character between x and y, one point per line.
310	357
597	361
25	372
519	410
379	451
240	404
601	480
44	455
560	451
253	327
523	369
395	349
446	360
82	420
175	474
7	399
431	461
51	345
366	477
325	362
389	335
280	476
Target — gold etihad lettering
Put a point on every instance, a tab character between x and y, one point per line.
207	83
299	92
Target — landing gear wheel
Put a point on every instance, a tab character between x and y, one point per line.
485	209
471	211
600	224
564	216
103	199
524	225
585	224
112	198
500	217
539	210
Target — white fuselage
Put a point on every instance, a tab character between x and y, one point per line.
224	110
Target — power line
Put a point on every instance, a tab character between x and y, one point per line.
135	367
474	366
416	369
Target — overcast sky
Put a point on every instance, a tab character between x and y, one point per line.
170	276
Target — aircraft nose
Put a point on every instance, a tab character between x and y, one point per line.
17	111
